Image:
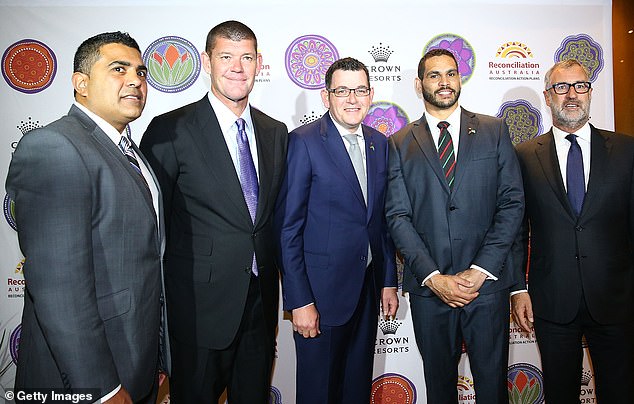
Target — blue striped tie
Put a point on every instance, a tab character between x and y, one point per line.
125	144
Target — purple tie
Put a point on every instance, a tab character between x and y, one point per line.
575	181
248	177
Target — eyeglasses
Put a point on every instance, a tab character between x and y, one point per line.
345	91
581	87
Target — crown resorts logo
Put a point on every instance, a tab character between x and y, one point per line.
525	384
587	393
173	64
29	66
386	117
275	396
14	343
25	127
309	117
461	49
380	70
392	388
584	49
389	342
307	60
16	282
515	67
389	326
524	120
466	390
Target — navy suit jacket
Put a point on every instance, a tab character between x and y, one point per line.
474	223
590	255
325	225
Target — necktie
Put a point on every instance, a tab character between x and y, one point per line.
248	177
125	144
575	180
357	163
446	153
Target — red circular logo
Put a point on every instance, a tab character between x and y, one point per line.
29	66
392	388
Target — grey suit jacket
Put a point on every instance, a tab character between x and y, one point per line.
474	223
92	251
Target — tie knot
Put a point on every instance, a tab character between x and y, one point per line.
351	138
240	123
443	125
571	138
125	143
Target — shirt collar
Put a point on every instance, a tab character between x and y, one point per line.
226	117
343	131
453	119
582	133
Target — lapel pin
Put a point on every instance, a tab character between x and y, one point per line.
471	131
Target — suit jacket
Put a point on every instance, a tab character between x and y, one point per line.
210	235
325	225
92	249
590	255
474	223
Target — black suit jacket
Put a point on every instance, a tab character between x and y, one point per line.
210	236
591	254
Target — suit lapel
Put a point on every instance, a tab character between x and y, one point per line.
266	164
547	157
600	150
468	122
422	135
370	157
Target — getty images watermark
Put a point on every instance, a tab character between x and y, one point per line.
51	396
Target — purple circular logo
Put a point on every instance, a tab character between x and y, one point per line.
173	64
386	117
461	49
14	343
9	212
524	120
583	49
525	384
275	396
29	66
307	60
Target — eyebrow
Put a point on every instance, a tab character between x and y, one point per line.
453	69
128	64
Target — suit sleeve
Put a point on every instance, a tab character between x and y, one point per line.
291	213
54	205
398	210
509	209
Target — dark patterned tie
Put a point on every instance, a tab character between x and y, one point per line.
125	144
575	180
248	177
446	153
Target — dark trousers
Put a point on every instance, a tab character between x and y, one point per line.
336	366
440	330
200	375
561	352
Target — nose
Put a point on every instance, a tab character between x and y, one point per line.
133	78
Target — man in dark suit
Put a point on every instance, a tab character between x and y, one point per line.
337	259
454	221
88	227
220	163
580	213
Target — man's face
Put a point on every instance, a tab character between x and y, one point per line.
116	88
570	111
348	111
232	67
440	84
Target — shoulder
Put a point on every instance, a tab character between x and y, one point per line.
308	130
179	114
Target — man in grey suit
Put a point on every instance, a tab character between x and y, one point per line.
88	227
454	220
220	163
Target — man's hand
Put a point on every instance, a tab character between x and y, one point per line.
452	289
389	302
474	276
522	309
306	321
121	397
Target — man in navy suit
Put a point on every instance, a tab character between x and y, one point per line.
581	272
337	259
454	223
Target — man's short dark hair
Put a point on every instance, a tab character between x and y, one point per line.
348	64
430	54
233	30
88	52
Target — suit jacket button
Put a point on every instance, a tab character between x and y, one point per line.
578	228
452	208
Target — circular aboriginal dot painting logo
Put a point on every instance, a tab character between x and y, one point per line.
14	343
524	120
307	60
585	50
29	66
461	49
386	117
8	206
173	64
525	384
275	396
392	388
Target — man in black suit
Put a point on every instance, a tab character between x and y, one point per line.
454	221
220	162
580	213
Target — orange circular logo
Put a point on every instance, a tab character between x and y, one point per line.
392	388
29	66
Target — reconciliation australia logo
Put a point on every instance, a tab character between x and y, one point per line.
264	76
381	70
518	336
389	342
513	61
16	282
466	390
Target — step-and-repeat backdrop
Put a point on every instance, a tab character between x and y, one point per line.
503	49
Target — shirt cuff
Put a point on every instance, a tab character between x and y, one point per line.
489	275
515	292
436	272
309	304
109	395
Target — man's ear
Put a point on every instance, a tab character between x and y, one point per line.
80	83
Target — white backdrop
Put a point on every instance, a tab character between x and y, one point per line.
505	47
